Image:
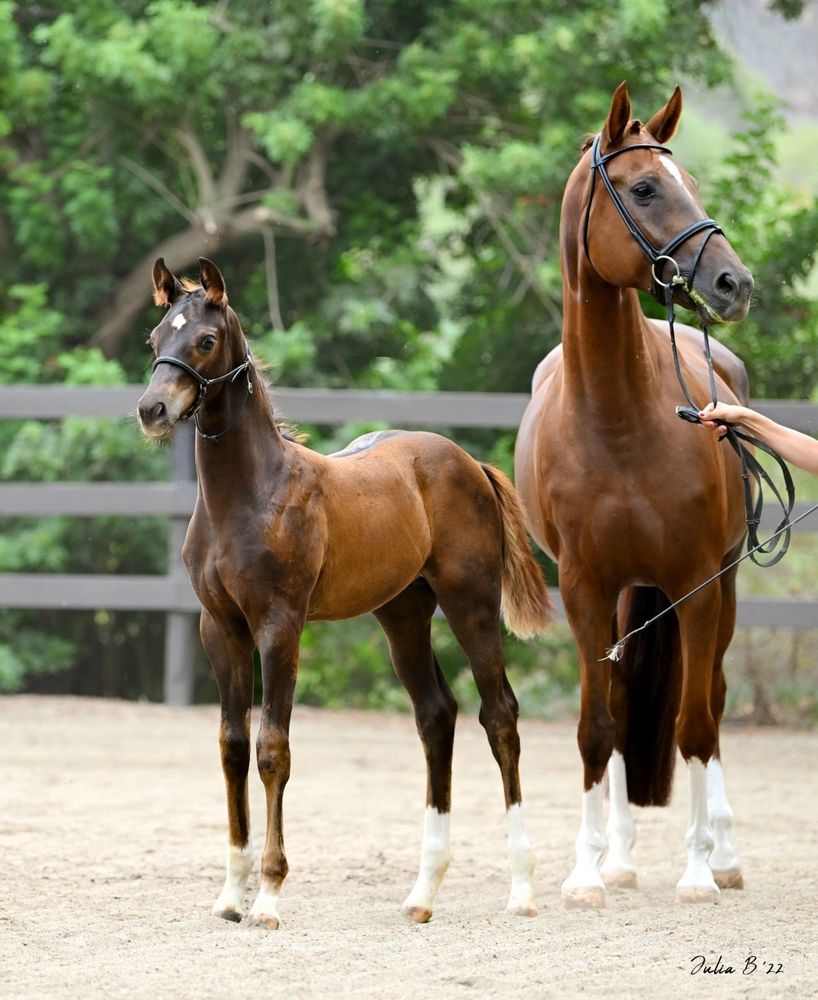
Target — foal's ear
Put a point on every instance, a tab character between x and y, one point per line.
210	278
166	288
665	122
618	116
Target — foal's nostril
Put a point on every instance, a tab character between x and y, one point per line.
149	415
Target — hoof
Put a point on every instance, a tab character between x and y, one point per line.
591	898
729	878
417	914
523	911
232	915
694	894
620	878
268	923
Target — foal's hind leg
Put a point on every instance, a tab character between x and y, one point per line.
405	620
474	618
230	651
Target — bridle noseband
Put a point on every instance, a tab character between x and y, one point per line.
204	385
663	291
656	255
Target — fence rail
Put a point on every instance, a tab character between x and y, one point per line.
171	593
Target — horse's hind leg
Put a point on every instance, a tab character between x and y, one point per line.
724	863
230	652
406	622
474	618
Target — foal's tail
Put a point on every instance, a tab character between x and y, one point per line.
650	672
525	604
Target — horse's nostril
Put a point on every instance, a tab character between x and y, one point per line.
158	411
151	413
727	284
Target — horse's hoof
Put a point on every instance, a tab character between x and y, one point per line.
523	911
620	878
729	878
267	922
417	914
232	915
589	898
695	894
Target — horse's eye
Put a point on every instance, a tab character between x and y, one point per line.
207	343
642	191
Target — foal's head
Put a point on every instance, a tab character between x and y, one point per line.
201	338
661	201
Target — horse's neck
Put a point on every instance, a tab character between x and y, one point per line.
609	357
244	464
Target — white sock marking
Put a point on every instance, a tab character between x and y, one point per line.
521	861
699	838
591	845
621	828
723	857
434	860
239	865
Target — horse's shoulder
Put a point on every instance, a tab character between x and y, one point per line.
546	367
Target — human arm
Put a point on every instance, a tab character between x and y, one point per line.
791	445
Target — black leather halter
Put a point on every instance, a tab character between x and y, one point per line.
656	255
205	384
663	291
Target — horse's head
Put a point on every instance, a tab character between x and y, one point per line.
639	221
198	346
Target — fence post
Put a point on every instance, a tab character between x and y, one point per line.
181	634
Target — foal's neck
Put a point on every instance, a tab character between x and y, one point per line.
243	464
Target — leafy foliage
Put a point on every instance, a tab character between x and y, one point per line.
380	183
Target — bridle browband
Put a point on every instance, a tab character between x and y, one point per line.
204	385
663	291
656	255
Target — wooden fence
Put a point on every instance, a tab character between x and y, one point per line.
172	593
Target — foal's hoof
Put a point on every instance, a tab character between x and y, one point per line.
620	878
267	922
417	914
524	911
695	894
588	898
229	914
729	878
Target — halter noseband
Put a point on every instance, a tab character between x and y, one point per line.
204	384
655	255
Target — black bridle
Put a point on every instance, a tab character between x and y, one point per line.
663	291
204	385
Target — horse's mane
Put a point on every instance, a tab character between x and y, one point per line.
288	430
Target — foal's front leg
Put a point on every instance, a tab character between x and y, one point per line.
277	642
229	649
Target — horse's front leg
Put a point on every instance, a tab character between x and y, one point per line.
696	734
590	615
230	651
277	640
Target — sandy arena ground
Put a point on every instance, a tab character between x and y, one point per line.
112	832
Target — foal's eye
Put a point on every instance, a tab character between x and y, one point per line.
642	191
207	343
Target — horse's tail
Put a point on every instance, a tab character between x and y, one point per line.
650	675
525	604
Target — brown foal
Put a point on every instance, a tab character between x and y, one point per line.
395	524
631	500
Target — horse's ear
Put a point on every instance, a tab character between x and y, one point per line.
665	122
210	278
166	288
618	116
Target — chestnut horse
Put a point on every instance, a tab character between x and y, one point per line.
630	500
395	524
